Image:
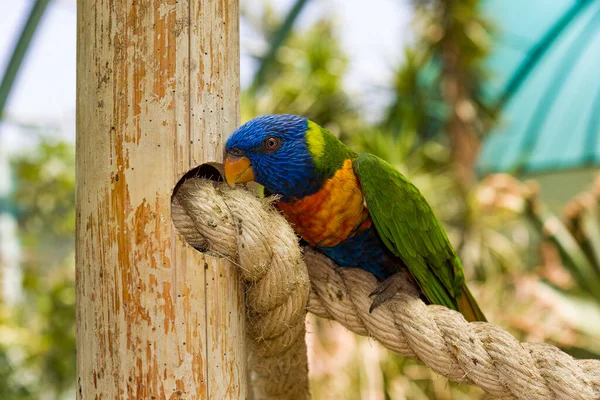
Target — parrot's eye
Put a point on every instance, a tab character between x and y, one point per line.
272	143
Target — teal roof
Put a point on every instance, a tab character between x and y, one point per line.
546	76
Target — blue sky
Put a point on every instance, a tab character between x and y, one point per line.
44	92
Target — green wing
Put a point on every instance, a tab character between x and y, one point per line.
410	229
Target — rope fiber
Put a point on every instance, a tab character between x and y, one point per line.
282	283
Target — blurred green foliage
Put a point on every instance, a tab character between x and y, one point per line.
306	78
37	343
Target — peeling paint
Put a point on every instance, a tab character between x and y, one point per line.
143	329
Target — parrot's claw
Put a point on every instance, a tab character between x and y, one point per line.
387	289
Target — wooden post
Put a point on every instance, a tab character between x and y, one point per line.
157	88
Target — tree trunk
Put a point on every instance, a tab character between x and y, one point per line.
464	142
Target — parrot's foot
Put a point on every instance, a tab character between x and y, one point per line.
387	289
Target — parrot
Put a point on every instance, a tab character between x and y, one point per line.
356	209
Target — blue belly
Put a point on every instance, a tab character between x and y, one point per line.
364	250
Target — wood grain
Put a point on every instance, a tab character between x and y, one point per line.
157	92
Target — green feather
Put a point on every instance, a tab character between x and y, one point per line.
410	229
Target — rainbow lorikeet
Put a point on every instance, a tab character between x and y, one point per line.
356	209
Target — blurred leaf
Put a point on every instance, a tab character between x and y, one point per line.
571	251
277	40
37	349
21	47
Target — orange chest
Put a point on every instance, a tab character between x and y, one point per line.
332	215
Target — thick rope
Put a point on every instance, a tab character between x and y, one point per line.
239	226
478	353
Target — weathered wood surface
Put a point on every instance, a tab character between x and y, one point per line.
157	88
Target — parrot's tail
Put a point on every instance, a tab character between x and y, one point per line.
467	305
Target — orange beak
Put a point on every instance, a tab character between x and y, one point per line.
238	170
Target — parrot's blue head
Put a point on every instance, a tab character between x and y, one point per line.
274	151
